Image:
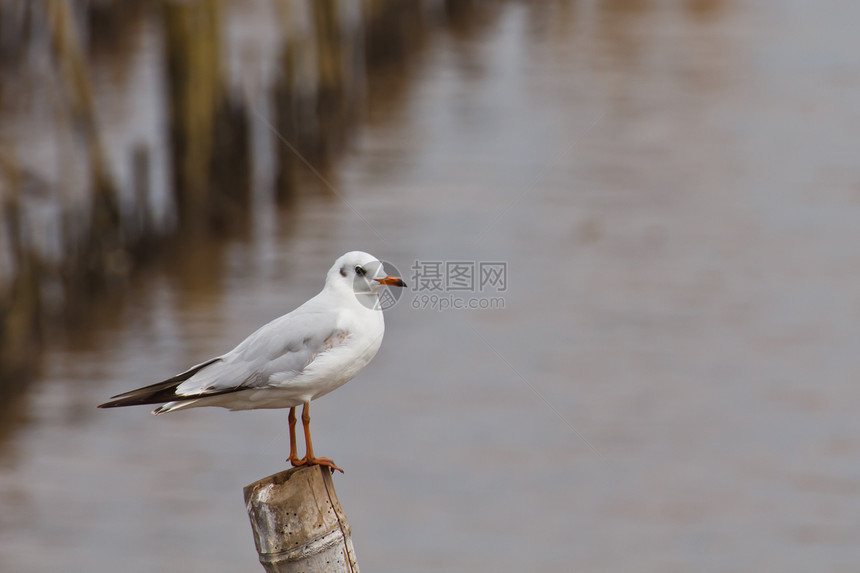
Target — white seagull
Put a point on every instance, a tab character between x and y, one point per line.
294	359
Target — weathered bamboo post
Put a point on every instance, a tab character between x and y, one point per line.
299	524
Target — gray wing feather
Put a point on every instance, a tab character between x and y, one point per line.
281	349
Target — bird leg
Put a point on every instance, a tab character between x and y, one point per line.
294	456
309	458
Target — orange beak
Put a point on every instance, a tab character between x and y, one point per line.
391	281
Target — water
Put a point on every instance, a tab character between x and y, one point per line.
671	385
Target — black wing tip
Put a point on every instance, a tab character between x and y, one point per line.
157	393
139	399
117	403
114	401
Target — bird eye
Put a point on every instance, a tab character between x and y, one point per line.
360	271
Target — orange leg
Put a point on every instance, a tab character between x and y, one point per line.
309	458
294	456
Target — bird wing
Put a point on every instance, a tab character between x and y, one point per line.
272	356
155	393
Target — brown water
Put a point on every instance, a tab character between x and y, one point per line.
671	386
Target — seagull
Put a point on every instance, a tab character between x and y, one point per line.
305	354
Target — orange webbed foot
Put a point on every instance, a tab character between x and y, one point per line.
327	462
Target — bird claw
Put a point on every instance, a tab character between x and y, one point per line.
327	462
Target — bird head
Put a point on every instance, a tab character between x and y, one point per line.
362	273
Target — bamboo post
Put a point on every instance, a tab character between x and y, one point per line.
299	524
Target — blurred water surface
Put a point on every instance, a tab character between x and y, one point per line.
671	386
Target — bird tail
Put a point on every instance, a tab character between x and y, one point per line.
172	406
